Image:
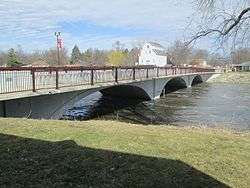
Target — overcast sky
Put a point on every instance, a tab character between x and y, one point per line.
92	24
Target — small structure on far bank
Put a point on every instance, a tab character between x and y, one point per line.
242	67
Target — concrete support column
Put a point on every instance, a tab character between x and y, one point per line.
189	80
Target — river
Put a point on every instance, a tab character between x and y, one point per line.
205	105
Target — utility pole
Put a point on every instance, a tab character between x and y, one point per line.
58	45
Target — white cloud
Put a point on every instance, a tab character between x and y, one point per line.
32	22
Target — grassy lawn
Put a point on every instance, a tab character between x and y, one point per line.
233	77
112	154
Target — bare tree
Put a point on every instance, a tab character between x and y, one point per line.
132	56
240	55
3	58
21	55
180	53
200	54
94	57
50	56
226	21
216	59
37	57
99	57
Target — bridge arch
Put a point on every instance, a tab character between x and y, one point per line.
126	91
197	80
174	84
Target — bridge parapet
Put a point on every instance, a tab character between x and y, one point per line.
36	78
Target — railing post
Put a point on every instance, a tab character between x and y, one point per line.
33	80
147	76
92	77
158	71
133	73
57	80
116	75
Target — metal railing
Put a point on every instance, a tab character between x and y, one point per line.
36	78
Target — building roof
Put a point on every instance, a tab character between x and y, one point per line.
156	45
160	52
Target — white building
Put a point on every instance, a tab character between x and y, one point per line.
153	54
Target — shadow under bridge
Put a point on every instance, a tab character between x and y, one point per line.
126	91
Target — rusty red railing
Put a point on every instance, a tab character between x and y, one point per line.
37	78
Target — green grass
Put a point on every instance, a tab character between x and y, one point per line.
233	77
112	154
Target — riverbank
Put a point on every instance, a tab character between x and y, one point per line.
233	77
114	154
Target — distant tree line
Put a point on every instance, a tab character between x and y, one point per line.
16	57
184	54
90	57
115	57
179	52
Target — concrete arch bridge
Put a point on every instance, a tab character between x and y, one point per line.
48	92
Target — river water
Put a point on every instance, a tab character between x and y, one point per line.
205	105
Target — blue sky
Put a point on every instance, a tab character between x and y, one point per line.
92	24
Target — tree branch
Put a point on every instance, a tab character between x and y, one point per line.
223	31
237	21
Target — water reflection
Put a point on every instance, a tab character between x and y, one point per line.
202	105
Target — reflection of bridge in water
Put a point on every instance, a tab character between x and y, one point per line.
47	92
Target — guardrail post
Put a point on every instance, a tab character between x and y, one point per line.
33	80
133	73
147	76
158	71
57	80
92	77
116	75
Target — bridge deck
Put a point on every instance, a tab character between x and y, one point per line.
28	82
